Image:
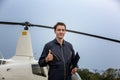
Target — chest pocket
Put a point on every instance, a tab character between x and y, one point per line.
68	53
55	53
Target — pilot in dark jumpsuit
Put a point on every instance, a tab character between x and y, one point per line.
59	55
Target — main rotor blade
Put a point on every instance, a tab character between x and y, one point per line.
96	36
72	31
82	33
25	24
12	23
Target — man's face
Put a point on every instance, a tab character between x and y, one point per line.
60	31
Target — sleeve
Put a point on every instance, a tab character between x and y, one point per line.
44	54
73	58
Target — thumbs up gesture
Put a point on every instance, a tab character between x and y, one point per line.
49	56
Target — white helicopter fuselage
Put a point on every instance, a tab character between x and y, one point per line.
22	66
22	70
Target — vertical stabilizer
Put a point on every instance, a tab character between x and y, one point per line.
24	46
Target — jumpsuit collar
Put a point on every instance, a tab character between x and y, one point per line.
55	40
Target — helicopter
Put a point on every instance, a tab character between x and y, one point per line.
23	66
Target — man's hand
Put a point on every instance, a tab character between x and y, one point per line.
74	70
49	57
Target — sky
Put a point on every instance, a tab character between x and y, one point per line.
98	17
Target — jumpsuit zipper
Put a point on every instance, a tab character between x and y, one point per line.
64	64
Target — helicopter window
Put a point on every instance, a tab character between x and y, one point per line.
37	70
2	62
1	59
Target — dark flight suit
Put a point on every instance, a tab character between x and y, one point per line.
60	67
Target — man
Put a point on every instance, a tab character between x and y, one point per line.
59	55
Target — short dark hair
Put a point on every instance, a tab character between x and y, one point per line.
59	23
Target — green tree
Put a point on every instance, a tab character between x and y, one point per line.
109	74
84	74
